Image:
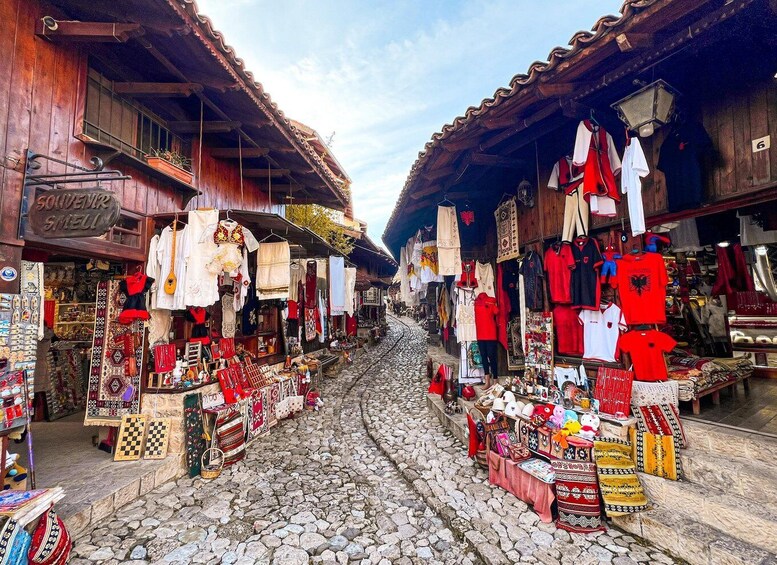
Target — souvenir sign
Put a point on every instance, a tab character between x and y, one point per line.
88	212
8	273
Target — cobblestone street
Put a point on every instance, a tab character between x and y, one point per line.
372	478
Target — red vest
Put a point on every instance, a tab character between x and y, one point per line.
598	178
566	174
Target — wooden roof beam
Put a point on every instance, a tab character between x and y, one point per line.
486	160
634	41
433	189
95	32
157	89
218	126
265	173
438	173
521	124
236	153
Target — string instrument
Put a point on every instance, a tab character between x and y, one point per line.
171	282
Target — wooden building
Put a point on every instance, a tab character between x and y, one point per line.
121	81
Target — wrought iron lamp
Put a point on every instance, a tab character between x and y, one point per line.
649	107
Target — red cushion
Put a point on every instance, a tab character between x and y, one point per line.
51	543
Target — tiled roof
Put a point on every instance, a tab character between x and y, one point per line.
579	41
274	113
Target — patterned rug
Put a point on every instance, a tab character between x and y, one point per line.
661	419
618	482
258	422
112	391
507	231
577	494
656	454
231	434
195	442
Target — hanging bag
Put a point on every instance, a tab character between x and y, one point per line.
283	407
296	401
164	358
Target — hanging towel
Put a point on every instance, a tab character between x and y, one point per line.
350	289
337	285
273	274
448	241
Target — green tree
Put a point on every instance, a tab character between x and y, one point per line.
319	220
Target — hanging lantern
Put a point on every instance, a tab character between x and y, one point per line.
650	107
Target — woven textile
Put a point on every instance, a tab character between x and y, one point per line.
577	493
647	394
661	420
618	482
613	390
231	435
14	543
656	455
273	274
195	442
51	543
258	423
310	324
507	231
113	393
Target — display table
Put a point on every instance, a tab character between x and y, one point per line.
507	474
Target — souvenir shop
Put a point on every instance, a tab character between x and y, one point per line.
624	277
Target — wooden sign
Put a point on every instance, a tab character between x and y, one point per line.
87	212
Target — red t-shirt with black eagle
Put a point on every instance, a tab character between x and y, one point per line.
642	282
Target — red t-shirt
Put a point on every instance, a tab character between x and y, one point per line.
569	332
486	310
642	287
647	349
559	263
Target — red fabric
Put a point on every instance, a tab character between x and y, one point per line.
131	314
566	174
559	263
642	287
49	310
468	280
503	300
569	331
51	542
613	390
486	311
732	275
136	283
437	386
350	325
508	475
474	442
647	349
598	177
577	496
293	310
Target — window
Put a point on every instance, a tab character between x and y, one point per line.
120	123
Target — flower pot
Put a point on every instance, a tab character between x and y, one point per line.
169	169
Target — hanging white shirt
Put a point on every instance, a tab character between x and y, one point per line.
635	168
601	330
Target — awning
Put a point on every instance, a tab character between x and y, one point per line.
303	242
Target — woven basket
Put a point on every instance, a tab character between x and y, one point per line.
211	471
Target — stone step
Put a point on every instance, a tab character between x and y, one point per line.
693	541
735	475
729	442
456	423
742	518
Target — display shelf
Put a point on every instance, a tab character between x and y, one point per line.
73	323
756	347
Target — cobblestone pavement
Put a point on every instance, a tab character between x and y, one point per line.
372	478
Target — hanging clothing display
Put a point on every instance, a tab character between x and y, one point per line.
506	216
567	177
296	274
685	236
484	273
466	330
586	291
337	285
201	285
350	289
510	275
429	256
601	329
635	168
233	241
642	283
159	324
198	316
568	330
595	152
165	257
152	270
559	262
647	349
134	287
468	277
273	274
504	301
680	160
533	277
733	271
448	241
404	282
228	315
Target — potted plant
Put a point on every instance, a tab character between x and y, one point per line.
171	163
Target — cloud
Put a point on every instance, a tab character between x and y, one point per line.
384	76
